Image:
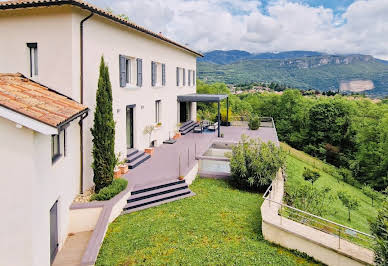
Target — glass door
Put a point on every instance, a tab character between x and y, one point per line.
129	126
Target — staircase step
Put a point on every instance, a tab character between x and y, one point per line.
131	152
134	156
139	161
188	125
155	201
189	129
157	192
156	186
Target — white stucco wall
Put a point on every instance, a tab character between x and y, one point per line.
30	185
102	37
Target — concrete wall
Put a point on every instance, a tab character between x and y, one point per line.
30	185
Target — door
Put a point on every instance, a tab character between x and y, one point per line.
183	112
53	231
129	122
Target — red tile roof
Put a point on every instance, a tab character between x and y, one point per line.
85	5
36	101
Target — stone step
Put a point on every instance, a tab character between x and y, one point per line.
155	186
131	152
134	156
186	126
157	192
158	200
139	161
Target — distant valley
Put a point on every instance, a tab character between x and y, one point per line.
299	69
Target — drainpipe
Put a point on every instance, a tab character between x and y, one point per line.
81	27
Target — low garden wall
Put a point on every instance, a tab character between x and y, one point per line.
323	247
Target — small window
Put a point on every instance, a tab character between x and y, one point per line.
157	111
58	146
55	148
33	47
128	77
131	71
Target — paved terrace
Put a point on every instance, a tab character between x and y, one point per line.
164	164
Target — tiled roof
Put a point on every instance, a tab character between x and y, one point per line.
85	5
36	101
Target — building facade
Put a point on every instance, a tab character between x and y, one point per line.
60	44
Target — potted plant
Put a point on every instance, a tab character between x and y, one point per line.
148	131
177	133
159	124
181	177
123	167
117	172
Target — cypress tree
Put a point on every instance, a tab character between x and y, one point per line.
103	132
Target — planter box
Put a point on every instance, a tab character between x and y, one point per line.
149	151
123	169
117	173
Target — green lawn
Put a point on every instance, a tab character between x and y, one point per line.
339	214
219	226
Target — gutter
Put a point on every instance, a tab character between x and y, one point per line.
81	26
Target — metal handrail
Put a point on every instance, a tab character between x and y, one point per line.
340	226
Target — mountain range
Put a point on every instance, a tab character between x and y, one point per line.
299	69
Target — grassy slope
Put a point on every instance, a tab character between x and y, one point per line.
220	225
359	218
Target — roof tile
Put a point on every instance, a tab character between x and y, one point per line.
36	101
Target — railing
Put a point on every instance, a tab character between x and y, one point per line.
243	121
319	223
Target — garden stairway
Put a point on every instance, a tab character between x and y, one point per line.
187	127
136	158
148	196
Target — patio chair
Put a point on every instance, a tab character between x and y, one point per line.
205	123
213	127
199	128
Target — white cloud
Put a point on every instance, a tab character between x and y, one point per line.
249	25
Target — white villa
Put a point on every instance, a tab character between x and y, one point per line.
46	111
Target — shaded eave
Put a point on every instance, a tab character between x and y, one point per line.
91	8
195	97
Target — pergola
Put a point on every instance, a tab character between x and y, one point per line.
208	98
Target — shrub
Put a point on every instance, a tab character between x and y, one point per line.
254	164
310	199
379	228
110	191
254	122
348	201
371	193
311	175
223	115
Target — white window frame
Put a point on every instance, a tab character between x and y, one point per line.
33	59
130	71
158	108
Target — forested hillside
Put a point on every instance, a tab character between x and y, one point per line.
298	69
349	133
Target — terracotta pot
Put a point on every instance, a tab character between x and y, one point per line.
149	151
117	173
181	178
123	169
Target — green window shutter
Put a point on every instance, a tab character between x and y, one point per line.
139	72
163	74
123	73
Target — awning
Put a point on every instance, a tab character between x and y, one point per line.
195	97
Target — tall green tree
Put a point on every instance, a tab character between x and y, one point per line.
103	132
379	228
